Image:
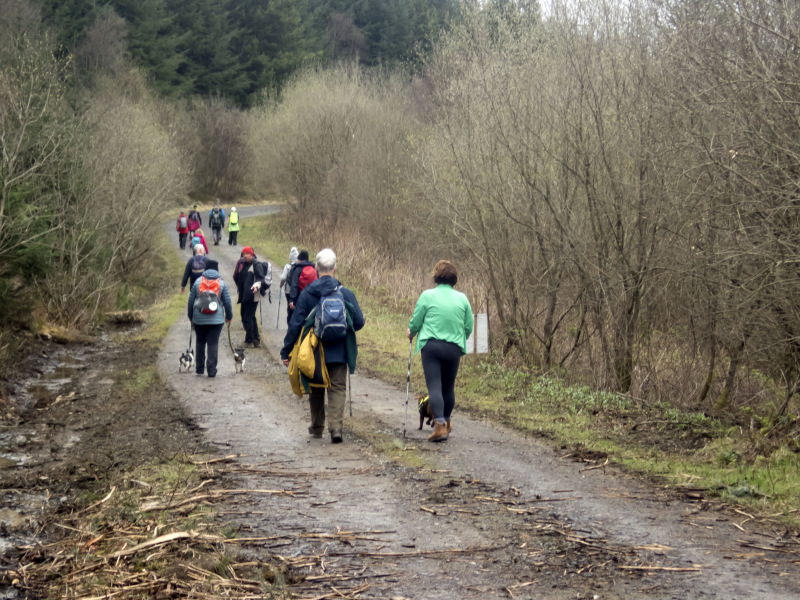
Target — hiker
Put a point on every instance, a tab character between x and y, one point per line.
302	273
194	267
208	322
340	354
216	220
233	226
198	237
252	280
182	227
443	320
194	220
287	269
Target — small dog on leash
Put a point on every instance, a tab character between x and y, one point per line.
187	360
238	359
425	410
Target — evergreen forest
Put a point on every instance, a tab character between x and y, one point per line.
237	49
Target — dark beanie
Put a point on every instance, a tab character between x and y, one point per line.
212	264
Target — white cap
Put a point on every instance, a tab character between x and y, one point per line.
233	208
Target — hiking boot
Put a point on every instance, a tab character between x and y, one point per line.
315	434
257	344
449	425
336	436
439	432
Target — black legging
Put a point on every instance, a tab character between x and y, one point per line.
440	363
207	348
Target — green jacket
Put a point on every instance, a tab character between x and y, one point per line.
233	221
443	314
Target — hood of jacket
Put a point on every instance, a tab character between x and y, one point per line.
293	255
211	274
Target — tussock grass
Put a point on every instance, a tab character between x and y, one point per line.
164	304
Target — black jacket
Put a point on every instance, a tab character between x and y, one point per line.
245	276
190	275
294	279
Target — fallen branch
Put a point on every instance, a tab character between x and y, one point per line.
213	461
214	495
99	502
594	467
652	568
166	539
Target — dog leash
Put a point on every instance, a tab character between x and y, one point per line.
230	343
191	331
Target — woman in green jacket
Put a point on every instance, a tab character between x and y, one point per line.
443	320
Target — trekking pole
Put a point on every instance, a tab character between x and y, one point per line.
408	384
278	320
350	391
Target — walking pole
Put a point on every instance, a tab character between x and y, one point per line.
278	320
408	384
350	391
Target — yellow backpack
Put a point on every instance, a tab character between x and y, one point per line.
307	365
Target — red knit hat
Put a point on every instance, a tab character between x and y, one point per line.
248	250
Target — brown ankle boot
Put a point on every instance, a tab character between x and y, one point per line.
439	432
449	425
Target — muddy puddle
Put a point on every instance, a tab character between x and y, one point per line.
53	376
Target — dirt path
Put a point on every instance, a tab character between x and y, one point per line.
490	515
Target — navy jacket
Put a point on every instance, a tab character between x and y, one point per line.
335	352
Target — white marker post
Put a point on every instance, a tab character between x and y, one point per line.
478	340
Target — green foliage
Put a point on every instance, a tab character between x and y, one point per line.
238	48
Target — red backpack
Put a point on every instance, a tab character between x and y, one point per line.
208	297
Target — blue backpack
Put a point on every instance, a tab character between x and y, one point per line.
330	324
199	263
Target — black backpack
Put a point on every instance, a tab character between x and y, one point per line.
216	218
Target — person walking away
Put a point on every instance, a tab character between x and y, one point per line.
340	354
252	283
233	226
195	222
284	285
182	227
198	237
216	220
442	321
194	267
209	307
303	272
